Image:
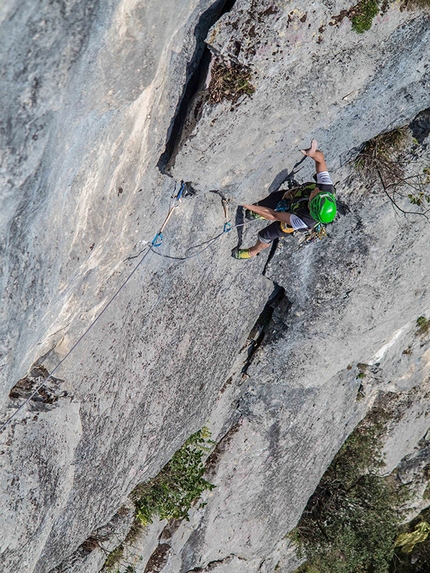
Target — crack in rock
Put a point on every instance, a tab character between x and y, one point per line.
197	70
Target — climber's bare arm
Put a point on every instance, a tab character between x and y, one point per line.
269	214
316	155
263	211
284	217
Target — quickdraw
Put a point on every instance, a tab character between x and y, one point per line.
176	199
318	233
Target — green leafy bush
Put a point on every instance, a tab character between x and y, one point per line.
114	557
414	555
350	523
362	15
409	539
180	483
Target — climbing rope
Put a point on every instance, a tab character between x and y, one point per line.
152	247
227	228
104	309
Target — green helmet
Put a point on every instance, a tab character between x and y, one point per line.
323	207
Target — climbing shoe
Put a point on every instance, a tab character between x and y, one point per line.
250	215
241	254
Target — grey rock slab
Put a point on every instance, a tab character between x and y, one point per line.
336	85
118	417
143	551
351	309
283	559
39	475
262	479
85	195
83	202
411	427
413	471
101	135
347	289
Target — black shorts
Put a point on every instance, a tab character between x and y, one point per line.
273	231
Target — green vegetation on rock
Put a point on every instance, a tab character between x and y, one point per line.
408	540
423	325
170	494
114	557
412	553
229	82
383	162
362	15
180	483
351	521
382	149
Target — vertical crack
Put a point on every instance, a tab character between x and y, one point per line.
260	328
196	73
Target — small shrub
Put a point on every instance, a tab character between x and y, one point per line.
180	483
382	153
362	15
114	557
423	325
229	82
380	158
412	554
350	522
382	162
407	541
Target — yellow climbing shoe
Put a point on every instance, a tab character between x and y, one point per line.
241	254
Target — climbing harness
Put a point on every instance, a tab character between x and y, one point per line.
298	196
317	233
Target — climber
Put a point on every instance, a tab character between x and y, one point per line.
299	209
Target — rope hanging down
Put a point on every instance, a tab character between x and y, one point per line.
156	242
104	309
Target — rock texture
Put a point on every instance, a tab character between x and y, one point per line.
314	77
90	96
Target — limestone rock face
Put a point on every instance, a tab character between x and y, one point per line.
313	77
193	337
